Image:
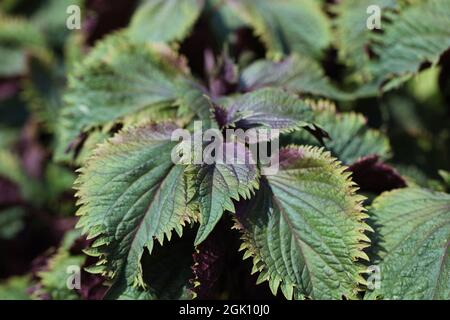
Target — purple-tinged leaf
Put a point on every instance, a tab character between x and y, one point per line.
373	175
268	108
9	193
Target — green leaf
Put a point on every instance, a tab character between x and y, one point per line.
350	137
11	169
11	222
418	34
131	194
268	108
54	280
43	90
58	273
15	288
287	26
413	227
445	175
51	18
353	36
17	38
294	74
304	228
229	178
164	20
118	79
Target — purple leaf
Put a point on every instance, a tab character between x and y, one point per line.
9	193
373	175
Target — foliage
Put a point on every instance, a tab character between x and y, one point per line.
87	177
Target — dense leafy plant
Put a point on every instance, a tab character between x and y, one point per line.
364	121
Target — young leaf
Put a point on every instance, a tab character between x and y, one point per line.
350	137
132	194
413	226
304	228
164	20
287	26
294	74
268	108
228	178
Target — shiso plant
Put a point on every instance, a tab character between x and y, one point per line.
358	208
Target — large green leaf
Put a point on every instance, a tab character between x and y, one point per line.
294	74
350	136
287	26
413	228
417	35
164	20
230	177
117	79
304	228
132	194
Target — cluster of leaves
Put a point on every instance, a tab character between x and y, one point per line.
364	120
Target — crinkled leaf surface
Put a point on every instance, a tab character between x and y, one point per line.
268	108
354	38
230	177
131	194
164	20
118	78
304	227
416	35
350	137
413	226
287	26
294	74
